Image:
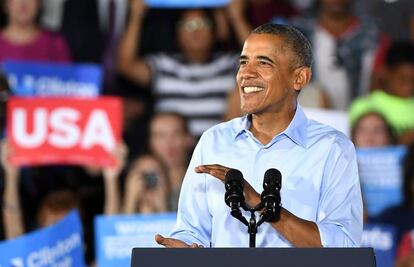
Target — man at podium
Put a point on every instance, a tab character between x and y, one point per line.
321	204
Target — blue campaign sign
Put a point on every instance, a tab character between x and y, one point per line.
382	238
186	3
381	177
53	79
115	236
57	245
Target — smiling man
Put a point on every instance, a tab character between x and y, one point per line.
320	197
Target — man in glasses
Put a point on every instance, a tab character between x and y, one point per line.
193	82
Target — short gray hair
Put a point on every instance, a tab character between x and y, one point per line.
296	41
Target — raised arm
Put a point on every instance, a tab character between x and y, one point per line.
111	178
240	25
12	214
130	66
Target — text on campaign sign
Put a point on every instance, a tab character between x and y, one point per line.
64	130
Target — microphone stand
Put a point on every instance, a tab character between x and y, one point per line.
252	224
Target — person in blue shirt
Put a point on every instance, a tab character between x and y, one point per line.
320	195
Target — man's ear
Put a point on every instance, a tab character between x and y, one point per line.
302	77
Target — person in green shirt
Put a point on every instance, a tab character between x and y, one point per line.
396	100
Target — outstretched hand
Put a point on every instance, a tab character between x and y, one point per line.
174	243
215	170
219	171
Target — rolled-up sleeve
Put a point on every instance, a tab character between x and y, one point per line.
339	217
193	219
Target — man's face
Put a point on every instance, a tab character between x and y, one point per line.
265	77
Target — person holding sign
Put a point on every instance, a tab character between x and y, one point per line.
194	82
321	203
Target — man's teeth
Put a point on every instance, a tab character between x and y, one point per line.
252	89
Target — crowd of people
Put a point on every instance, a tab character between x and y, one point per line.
175	71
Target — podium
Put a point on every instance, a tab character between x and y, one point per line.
249	257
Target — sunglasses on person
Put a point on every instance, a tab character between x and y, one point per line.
195	24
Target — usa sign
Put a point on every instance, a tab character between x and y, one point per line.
64	130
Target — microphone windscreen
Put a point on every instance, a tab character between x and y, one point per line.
272	178
233	175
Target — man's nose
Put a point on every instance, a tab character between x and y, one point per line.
247	72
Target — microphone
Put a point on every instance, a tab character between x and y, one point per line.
234	196
233	182
270	198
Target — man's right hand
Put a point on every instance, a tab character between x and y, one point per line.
174	243
219	171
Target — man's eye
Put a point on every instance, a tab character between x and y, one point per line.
264	63
243	62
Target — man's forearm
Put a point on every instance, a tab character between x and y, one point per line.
299	232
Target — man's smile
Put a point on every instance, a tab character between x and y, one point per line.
252	89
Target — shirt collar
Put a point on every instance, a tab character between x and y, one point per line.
296	131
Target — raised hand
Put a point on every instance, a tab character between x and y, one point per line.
215	170
120	154
138	8
6	152
219	171
236	8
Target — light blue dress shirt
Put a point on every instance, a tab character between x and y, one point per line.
320	183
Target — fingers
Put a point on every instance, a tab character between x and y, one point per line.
159	239
215	170
174	243
170	242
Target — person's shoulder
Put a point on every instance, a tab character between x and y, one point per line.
166	59
162	56
225	129
322	134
